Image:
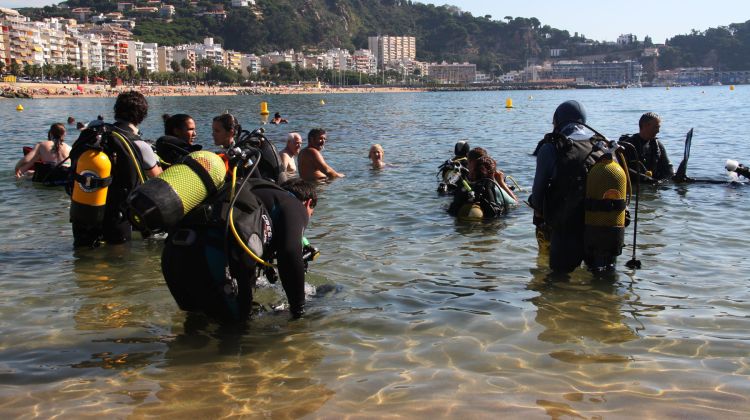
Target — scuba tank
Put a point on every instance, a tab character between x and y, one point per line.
90	187
161	202
605	203
471	210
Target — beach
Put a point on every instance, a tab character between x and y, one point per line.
67	90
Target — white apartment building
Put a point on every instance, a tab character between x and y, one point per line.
149	57
95	52
209	50
364	61
338	59
388	48
267	60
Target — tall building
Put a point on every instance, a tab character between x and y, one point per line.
165	56
392	48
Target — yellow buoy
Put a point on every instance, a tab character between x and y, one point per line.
322	102
19	107
531	97
667	87
264	108
731	87
509	103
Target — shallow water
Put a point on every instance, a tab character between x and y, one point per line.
427	317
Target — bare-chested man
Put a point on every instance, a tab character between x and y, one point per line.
312	166
288	153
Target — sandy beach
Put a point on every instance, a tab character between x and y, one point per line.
66	90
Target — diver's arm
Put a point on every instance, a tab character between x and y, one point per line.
27	162
500	179
150	161
545	164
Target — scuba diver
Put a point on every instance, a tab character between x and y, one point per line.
223	235
579	194
109	161
178	139
647	158
227	133
483	198
451	171
48	159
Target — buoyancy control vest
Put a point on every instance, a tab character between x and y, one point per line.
269	167
205	266
484	199
106	165
647	153
564	198
588	192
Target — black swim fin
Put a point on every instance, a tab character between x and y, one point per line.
681	174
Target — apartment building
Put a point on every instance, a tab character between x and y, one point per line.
250	62
365	62
233	60
615	72
453	73
149	57
181	52
389	48
164	58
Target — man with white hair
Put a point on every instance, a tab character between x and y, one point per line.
292	149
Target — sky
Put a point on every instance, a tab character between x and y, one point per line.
601	20
605	20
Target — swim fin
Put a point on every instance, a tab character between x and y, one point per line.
681	174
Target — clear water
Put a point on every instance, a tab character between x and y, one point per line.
428	317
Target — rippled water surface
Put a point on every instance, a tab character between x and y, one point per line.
426	316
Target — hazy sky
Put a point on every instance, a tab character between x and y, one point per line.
597	19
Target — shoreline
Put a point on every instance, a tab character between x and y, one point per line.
25	90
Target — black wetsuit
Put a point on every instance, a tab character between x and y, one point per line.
289	219
197	253
651	154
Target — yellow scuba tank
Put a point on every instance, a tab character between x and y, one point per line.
161	202
470	212
89	195
606	194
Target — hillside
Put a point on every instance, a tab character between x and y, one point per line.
442	32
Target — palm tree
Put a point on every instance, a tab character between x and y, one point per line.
185	64
175	66
15	68
130	71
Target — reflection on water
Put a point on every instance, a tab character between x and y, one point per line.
423	316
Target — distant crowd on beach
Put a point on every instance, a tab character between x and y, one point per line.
53	90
